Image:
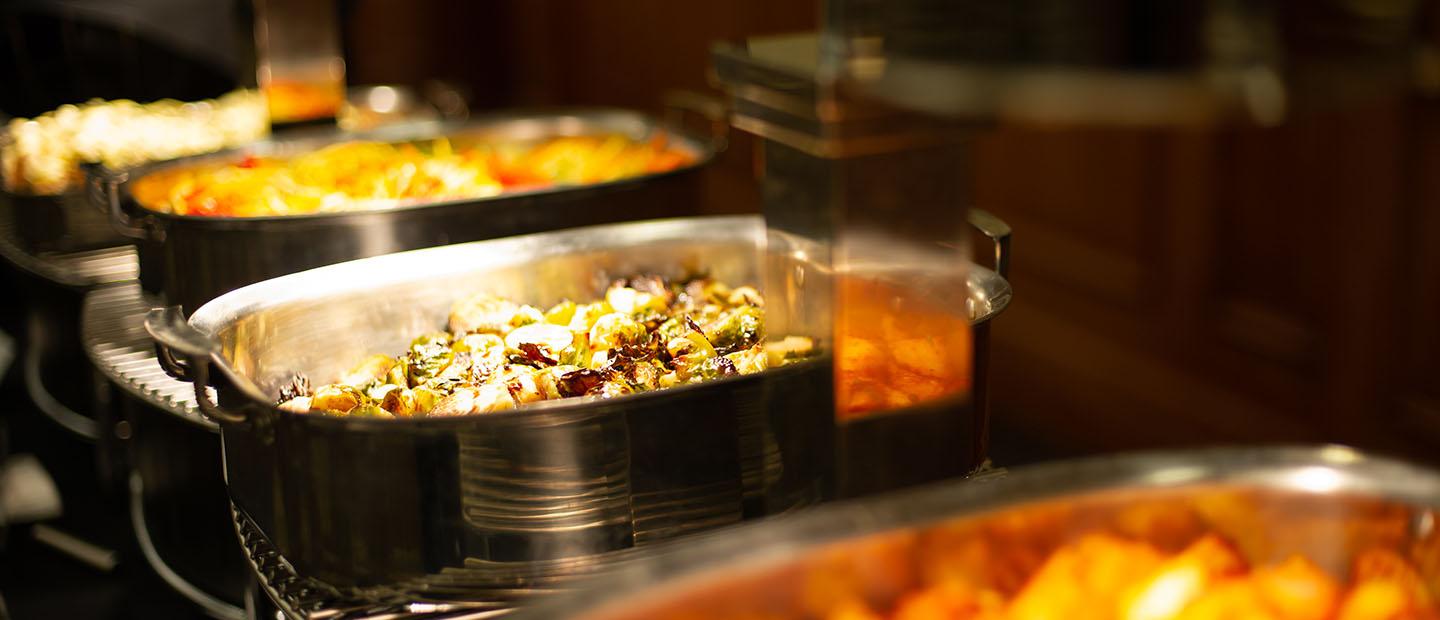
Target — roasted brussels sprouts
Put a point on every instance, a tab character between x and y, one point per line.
497	355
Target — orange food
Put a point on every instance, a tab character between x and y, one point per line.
373	175
295	100
896	351
1103	576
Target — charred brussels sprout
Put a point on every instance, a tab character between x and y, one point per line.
738	328
616	330
336	398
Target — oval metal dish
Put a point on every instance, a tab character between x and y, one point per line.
203	257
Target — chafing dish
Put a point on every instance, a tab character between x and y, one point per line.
358	503
1324	503
203	257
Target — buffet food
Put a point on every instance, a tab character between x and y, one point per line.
1105	576
43	155
646	334
359	175
896	350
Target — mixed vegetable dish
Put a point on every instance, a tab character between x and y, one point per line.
646	334
359	175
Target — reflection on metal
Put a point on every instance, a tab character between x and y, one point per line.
113	330
51	256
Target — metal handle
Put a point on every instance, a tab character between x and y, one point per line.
172	334
214	607
104	191
679	103
998	232
79	424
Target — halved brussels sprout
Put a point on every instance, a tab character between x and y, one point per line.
615	330
399	401
553	338
738	328
493	395
745	295
368	410
336	398
626	300
482	313
459	402
426	399
369	370
585	316
476	343
526	315
751	360
561	313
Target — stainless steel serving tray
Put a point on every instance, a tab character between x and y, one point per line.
363	505
203	257
1326	503
508	497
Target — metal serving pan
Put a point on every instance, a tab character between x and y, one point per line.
355	503
62	222
358	503
1326	503
203	257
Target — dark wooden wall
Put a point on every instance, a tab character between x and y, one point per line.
1234	285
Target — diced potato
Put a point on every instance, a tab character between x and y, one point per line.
1182	579
1297	589
1085	579
951	600
1231	600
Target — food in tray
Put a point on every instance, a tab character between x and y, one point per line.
1107	575
360	175
1103	576
884	362
646	334
43	155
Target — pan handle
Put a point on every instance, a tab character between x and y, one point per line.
998	232
184	352
681	103
104	191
